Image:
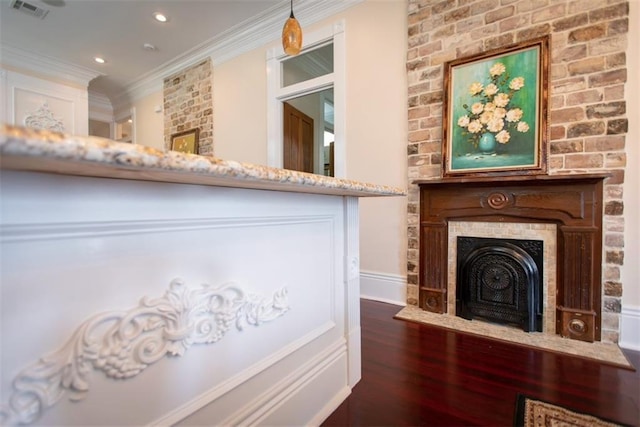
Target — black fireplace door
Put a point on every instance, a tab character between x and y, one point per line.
500	280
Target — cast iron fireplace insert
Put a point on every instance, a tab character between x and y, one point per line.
500	280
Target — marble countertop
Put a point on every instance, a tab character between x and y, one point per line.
53	152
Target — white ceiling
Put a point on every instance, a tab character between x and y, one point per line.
74	31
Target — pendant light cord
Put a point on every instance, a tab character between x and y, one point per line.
291	16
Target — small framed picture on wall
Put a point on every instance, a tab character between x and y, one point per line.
186	141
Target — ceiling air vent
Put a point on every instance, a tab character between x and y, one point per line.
29	9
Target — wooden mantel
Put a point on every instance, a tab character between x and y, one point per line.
572	202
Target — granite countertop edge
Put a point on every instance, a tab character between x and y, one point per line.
80	155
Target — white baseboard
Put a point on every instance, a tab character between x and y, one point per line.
311	392
330	407
383	287
630	328
305	396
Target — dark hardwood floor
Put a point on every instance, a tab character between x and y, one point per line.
414	374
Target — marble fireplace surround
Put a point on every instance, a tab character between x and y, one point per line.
570	204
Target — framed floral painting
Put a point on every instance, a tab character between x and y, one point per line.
186	142
495	111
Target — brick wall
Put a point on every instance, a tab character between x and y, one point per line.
188	104
587	110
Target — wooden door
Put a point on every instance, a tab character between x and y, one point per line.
298	140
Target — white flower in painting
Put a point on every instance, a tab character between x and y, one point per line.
475	88
500	113
463	121
491	89
503	137
477	108
489	106
495	125
514	115
486	117
497	69
501	100
517	83
523	127
474	127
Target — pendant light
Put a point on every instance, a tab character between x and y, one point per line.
292	35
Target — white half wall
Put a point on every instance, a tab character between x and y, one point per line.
258	331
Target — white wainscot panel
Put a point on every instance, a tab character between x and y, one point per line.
44	104
55	275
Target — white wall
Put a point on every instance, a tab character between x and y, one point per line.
632	195
376	127
149	123
240	108
377	134
631	269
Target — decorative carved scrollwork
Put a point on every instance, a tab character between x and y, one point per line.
432	302
123	344
498	200
43	118
577	326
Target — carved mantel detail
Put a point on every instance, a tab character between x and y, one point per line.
572	202
498	200
124	343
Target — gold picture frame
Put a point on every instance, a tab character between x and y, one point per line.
495	111
186	141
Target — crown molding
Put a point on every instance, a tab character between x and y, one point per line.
100	101
100	107
258	31
47	66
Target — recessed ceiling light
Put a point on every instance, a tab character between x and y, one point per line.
99	60
160	17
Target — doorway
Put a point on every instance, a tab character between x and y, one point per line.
315	77
298	139
308	133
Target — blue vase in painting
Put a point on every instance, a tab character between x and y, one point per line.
487	143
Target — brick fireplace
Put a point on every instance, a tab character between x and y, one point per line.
570	203
587	120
